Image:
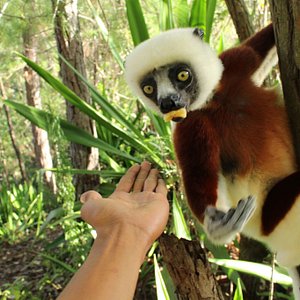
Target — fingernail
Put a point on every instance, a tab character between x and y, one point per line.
83	198
89	195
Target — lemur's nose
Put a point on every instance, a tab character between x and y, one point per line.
169	103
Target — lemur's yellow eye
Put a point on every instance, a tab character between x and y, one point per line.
148	89
183	75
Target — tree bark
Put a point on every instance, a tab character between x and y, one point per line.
189	269
69	44
286	22
32	83
12	134
241	18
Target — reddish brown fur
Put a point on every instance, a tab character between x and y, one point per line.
197	148
241	131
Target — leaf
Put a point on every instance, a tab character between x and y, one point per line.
238	295
58	262
106	106
180	227
210	13
74	134
166	15
161	289
198	14
57	212
221	44
102	173
181	13
137	25
92	113
169	284
259	270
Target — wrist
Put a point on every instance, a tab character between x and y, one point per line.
124	238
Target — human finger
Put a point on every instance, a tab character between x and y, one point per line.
161	187
126	182
91	201
141	177
151	181
89	195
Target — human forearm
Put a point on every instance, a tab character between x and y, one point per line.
111	269
127	223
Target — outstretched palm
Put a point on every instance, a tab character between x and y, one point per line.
139	202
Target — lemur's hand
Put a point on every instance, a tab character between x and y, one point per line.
222	227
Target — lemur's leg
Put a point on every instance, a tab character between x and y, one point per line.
222	227
279	201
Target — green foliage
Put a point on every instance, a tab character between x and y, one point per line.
176	13
127	133
180	227
17	290
238	295
166	15
161	289
21	211
136	22
210	14
198	14
259	270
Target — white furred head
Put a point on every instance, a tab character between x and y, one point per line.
153	59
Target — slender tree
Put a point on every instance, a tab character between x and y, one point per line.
241	18
69	44
32	83
12	134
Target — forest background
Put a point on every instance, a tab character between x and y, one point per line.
92	130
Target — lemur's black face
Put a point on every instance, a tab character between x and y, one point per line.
171	87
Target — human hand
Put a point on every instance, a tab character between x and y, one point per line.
138	204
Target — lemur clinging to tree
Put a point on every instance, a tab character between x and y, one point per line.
231	137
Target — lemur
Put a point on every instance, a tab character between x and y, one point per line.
231	136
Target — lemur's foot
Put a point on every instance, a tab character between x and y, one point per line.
222	227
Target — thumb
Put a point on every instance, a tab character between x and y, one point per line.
89	195
90	208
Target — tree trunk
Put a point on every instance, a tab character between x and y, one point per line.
189	269
286	21
12	135
32	83
69	44
241	18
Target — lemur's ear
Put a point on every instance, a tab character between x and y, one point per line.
199	32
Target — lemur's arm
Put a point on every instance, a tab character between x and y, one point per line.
198	152
253	58
262	42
